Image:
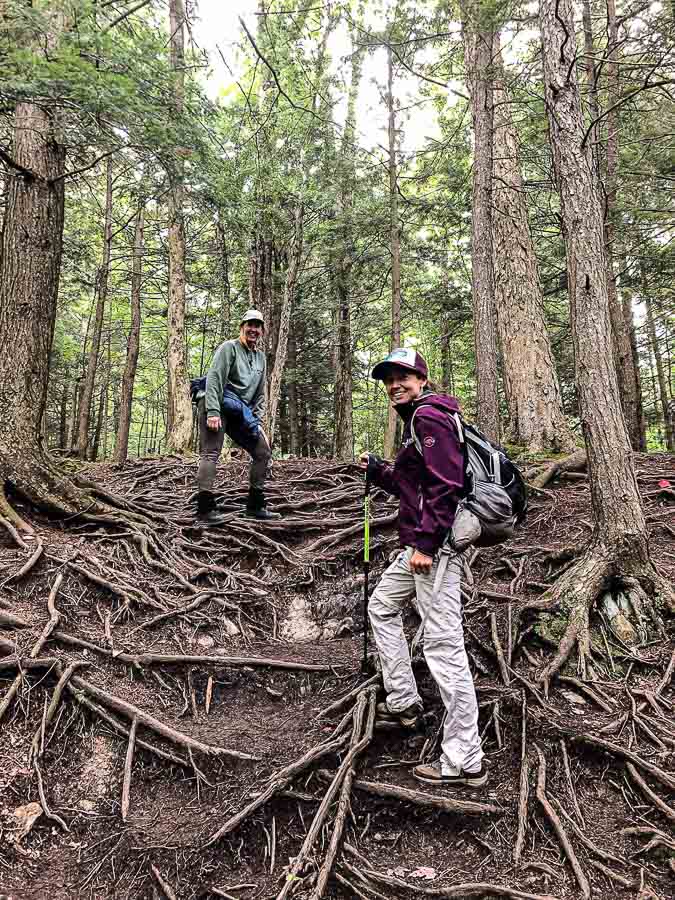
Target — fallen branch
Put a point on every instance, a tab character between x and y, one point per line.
524	793
128	765
163	885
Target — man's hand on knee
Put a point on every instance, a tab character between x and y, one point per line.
420	563
213	423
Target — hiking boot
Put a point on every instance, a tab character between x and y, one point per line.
208	513
407	718
432	773
256	508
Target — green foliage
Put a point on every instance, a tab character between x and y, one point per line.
274	139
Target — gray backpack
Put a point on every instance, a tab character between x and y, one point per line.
494	497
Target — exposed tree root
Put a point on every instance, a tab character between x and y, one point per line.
149	721
277	783
360	740
570	600
54	617
37	479
616	750
420	798
139	660
9	620
540	477
477	889
555	822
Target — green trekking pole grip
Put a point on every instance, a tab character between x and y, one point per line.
366	570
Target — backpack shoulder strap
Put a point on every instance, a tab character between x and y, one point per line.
495	470
453	417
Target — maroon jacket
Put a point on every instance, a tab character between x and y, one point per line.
428	484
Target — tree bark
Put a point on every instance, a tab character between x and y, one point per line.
179	406
619	519
225	287
293	413
478	50
133	344
664	399
63	416
102	280
31	260
536	418
395	242
295	257
96	443
627	371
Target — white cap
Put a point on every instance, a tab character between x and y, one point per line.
253	314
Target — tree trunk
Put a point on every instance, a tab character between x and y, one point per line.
343	428
102	280
293	413
395	239
63	417
536	418
225	310
31	260
295	257
628	373
478	49
179	406
616	501
664	399
592	84
96	443
447	368
133	344
619	549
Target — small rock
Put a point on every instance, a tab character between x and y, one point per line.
206	641
26	816
87	806
276	694
574	698
623	629
230	628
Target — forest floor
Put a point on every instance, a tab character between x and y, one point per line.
123	721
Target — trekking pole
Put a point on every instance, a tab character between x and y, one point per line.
366	570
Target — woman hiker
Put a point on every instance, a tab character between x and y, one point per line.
234	404
427	477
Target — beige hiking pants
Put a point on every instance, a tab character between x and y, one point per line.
440	606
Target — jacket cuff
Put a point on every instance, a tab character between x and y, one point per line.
427	545
213	412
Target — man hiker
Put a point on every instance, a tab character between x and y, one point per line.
427	476
234	404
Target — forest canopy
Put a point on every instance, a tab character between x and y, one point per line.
320	163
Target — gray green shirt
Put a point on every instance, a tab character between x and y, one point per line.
242	371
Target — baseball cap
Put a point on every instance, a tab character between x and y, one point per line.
251	315
406	358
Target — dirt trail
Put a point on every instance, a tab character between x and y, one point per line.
167	627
